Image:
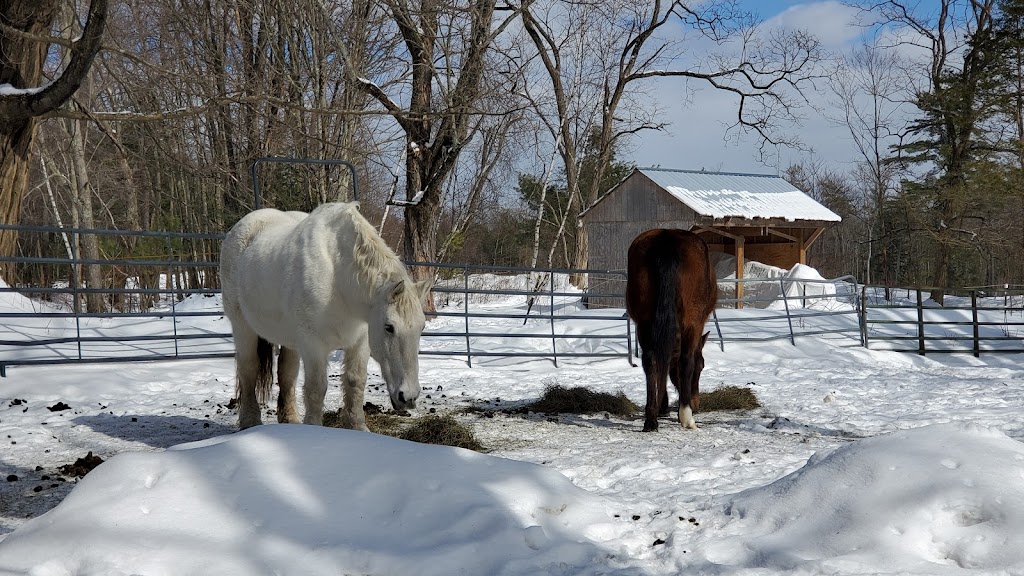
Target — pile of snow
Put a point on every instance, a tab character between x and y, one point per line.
931	500
935	500
725	268
799	282
484	282
268	501
11	301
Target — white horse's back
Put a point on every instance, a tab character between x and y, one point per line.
312	284
288	270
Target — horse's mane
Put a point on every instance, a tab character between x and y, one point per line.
376	263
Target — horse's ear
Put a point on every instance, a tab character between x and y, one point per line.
704	338
395	290
423	288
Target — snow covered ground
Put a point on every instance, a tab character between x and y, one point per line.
860	462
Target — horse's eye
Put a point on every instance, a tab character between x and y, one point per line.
389	328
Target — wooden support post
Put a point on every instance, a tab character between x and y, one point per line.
739	271
802	248
806	242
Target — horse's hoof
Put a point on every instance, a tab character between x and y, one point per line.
686	418
650	427
244	425
288	418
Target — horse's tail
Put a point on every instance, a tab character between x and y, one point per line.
265	373
665	313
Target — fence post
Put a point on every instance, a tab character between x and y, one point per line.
629	340
920	323
862	315
974	320
551	315
172	281
465	309
718	328
785	301
77	307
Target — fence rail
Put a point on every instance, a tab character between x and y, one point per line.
161	303
165	307
980	320
548	303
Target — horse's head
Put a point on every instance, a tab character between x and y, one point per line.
395	325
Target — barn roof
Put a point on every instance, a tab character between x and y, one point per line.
731	195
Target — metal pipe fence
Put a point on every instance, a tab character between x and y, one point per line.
969	321
544	300
159	307
157	300
138	312
788	308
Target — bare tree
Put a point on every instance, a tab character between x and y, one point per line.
869	88
25	27
958	37
617	46
446	45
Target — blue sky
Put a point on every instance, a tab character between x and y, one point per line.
696	138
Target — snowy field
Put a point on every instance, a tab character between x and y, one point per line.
860	462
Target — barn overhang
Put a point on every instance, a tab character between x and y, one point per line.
741	235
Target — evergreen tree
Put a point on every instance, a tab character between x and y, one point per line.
949	138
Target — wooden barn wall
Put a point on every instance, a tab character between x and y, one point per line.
637	205
783	255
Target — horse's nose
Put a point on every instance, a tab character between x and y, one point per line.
406	403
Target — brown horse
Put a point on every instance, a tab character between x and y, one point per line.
671	291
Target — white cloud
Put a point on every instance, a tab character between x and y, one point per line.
698	125
832	22
698	135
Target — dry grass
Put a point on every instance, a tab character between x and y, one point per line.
442	430
728	398
430	429
578	400
387	424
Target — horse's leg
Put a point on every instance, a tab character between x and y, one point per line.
698	369
247	368
686	371
654	369
353	384
314	388
673	374
287	373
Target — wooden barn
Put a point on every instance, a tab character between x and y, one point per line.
749	216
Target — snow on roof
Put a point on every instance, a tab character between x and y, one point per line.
723	195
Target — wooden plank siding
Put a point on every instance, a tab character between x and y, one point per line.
638	204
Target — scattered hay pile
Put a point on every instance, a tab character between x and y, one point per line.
443	430
728	398
430	429
578	400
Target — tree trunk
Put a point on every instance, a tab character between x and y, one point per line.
21	62
941	276
15	144
83	204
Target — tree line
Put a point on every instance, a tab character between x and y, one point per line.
480	129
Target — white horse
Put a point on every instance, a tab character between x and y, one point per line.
314	283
